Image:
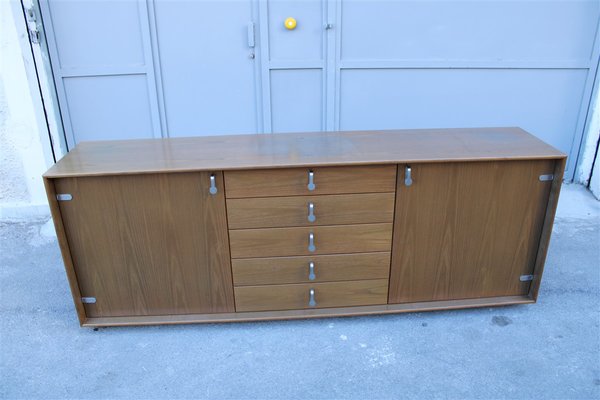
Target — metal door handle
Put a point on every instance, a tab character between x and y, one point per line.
311	298
213	185
311	271
251	34
311	212
311	181
311	242
408	176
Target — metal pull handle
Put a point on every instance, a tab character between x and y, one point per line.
311	298
311	242
311	212
250	34
213	185
251	42
311	271
407	176
311	181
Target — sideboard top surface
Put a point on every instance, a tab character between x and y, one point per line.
282	150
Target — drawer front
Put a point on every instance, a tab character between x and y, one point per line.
272	212
275	242
330	294
325	268
295	181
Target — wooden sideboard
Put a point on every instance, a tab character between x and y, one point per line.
276	226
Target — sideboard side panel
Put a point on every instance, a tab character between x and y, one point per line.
559	170
64	249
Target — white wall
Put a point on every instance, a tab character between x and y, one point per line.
592	146
23	157
595	181
589	157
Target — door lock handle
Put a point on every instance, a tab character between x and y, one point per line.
311	242
311	181
311	212
213	185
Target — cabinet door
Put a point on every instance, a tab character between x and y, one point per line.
152	244
467	230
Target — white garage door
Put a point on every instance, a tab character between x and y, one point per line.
129	69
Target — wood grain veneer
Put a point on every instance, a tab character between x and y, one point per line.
328	268
275	212
300	150
294	181
148	244
466	230
330	294
311	313
334	239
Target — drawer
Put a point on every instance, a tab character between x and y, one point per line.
325	268
274	242
330	294
295	181
341	209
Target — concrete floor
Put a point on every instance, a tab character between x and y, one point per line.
546	350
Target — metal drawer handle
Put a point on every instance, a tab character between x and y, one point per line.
311	271
311	242
311	298
408	176
213	185
311	181
311	212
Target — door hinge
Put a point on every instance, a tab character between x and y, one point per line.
64	197
526	278
547	177
33	24
88	300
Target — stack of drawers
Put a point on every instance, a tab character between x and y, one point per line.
310	237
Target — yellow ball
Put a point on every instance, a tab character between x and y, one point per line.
290	23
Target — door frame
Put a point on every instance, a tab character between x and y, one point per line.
38	69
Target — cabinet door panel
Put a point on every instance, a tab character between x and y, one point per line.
149	244
467	230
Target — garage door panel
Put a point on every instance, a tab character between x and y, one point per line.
305	42
381	64
207	74
97	33
96	113
296	100
544	102
468	30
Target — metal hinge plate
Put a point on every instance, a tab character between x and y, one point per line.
64	197
526	278
88	300
547	177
